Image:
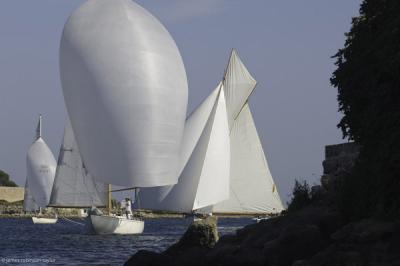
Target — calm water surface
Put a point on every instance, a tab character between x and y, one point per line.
67	243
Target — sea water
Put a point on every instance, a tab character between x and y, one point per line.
67	243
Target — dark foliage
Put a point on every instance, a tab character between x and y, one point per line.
368	82
301	196
5	180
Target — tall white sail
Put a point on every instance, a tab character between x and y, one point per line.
252	188
41	167
205	156
238	85
29	202
73	185
125	88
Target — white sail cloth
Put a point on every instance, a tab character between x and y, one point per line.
73	185
125	89
29	202
238	85
205	157
251	186
41	168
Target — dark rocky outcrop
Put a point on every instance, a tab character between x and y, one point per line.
312	236
191	249
277	241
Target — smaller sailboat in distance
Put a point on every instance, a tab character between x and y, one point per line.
41	167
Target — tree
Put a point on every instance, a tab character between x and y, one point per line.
301	196
5	180
368	82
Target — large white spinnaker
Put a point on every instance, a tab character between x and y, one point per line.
41	167
125	89
73	185
205	157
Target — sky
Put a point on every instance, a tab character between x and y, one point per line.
286	45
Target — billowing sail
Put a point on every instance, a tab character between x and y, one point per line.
125	88
252	189
204	179
238	85
29	202
41	167
73	185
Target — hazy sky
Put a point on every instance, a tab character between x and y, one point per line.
286	45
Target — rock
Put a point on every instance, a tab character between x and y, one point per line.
148	258
191	249
201	233
367	242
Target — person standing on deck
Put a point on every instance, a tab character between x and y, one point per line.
128	208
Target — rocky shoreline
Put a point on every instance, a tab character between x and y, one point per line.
312	236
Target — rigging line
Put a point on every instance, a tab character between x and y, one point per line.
69	220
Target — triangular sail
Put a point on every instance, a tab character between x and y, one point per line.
73	185
29	202
41	167
252	188
205	148
238	85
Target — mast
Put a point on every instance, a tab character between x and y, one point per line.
39	128
109	199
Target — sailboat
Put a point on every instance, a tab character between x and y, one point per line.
237	181
125	89
115	224
74	187
41	167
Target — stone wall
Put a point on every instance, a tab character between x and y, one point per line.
339	161
12	194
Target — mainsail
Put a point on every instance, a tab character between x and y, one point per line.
252	188
125	89
29	202
41	167
73	185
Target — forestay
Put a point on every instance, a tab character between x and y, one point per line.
125	88
73	185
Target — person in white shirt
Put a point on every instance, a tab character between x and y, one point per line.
128	208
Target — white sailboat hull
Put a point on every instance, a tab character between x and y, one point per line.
42	220
104	224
